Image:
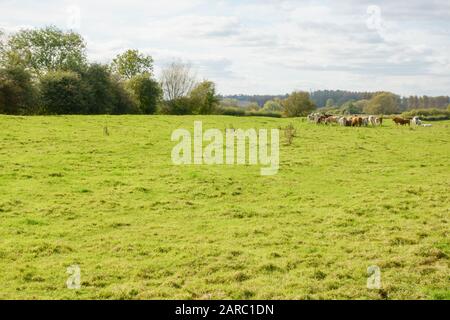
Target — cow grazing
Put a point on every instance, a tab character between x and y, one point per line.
331	120
416	121
319	119
401	121
372	120
357	121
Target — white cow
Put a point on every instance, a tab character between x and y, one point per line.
342	121
416	121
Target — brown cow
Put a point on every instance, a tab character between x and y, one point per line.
331	120
357	121
401	121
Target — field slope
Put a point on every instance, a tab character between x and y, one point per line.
139	227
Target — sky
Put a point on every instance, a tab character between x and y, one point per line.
265	46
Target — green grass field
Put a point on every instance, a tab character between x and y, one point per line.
142	228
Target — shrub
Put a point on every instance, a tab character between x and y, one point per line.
17	93
263	114
240	112
123	102
99	93
383	103
204	98
231	111
428	114
178	106
146	92
273	106
63	92
298	104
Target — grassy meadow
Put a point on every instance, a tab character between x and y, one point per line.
141	228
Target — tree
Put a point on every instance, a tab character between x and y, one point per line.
273	106
146	92
177	80
45	50
252	106
17	93
204	98
63	92
99	89
298	104
229	102
361	105
123	102
330	103
132	63
383	103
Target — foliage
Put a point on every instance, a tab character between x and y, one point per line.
132	63
99	90
273	106
330	103
352	107
241	112
17	93
231	111
44	50
178	106
203	98
146	92
383	103
432	114
63	92
123	101
298	104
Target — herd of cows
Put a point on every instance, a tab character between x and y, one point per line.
360	121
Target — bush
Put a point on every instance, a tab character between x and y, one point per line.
231	111
204	98
123	102
262	113
99	93
428	114
179	106
383	103
298	104
146	92
240	112
17	93
273	106
63	92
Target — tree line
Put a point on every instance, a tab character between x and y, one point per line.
46	71
339	98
